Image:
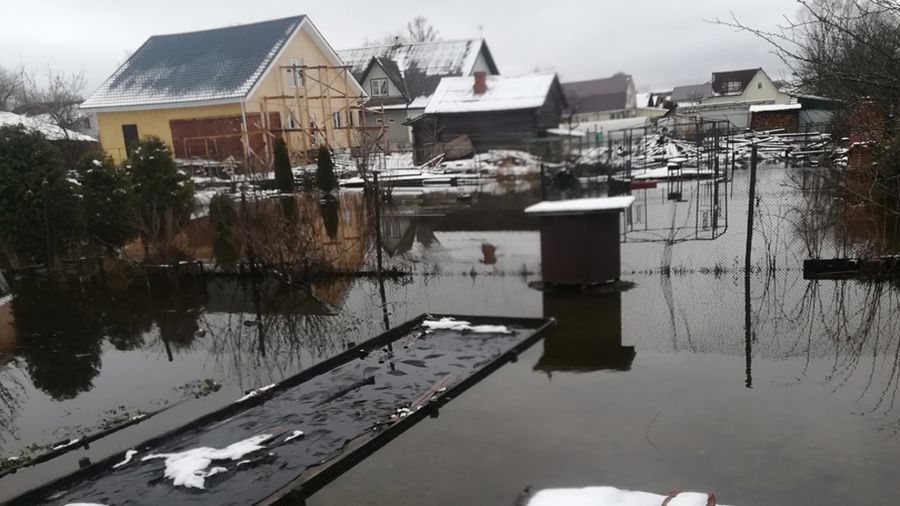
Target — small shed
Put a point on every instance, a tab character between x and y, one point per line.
580	239
775	117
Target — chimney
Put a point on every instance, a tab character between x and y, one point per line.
480	83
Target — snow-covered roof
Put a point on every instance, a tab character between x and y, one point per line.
456	94
51	132
775	107
206	66
422	65
581	206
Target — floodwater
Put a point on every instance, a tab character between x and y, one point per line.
781	394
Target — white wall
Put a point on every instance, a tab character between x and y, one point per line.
481	64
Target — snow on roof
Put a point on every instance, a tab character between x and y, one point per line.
219	64
456	94
775	107
50	131
581	206
421	64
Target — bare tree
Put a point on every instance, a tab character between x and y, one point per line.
420	30
843	49
57	98
9	88
417	30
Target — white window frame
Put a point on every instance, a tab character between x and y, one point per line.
383	88
733	87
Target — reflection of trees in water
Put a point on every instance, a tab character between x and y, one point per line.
269	330
834	217
12	395
59	332
852	324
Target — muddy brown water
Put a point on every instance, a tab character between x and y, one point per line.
660	387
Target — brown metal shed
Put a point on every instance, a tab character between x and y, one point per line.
580	240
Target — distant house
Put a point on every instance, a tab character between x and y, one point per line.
401	78
691	94
227	93
601	99
750	85
728	97
492	111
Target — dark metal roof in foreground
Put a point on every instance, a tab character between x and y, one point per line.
348	407
209	65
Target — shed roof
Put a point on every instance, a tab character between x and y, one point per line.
209	65
691	93
504	93
720	80
51	131
581	206
598	95
422	64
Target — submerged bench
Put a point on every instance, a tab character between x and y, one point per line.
291	439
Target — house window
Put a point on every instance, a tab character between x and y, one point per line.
336	118
350	118
379	87
759	85
733	87
130	136
295	73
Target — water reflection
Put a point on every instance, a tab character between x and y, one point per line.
588	336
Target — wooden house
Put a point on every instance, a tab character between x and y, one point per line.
602	99
401	78
493	112
227	93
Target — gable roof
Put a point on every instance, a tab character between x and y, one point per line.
222	64
720	80
422	65
598	95
691	93
392	71
456	94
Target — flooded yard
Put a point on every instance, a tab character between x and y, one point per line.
683	380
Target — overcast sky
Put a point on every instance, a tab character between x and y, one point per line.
660	42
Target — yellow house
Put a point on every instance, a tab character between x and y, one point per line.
229	92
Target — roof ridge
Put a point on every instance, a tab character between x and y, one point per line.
298	17
379	46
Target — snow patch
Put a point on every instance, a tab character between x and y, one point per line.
609	496
464	326
188	468
255	393
49	130
295	435
128	456
66	445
